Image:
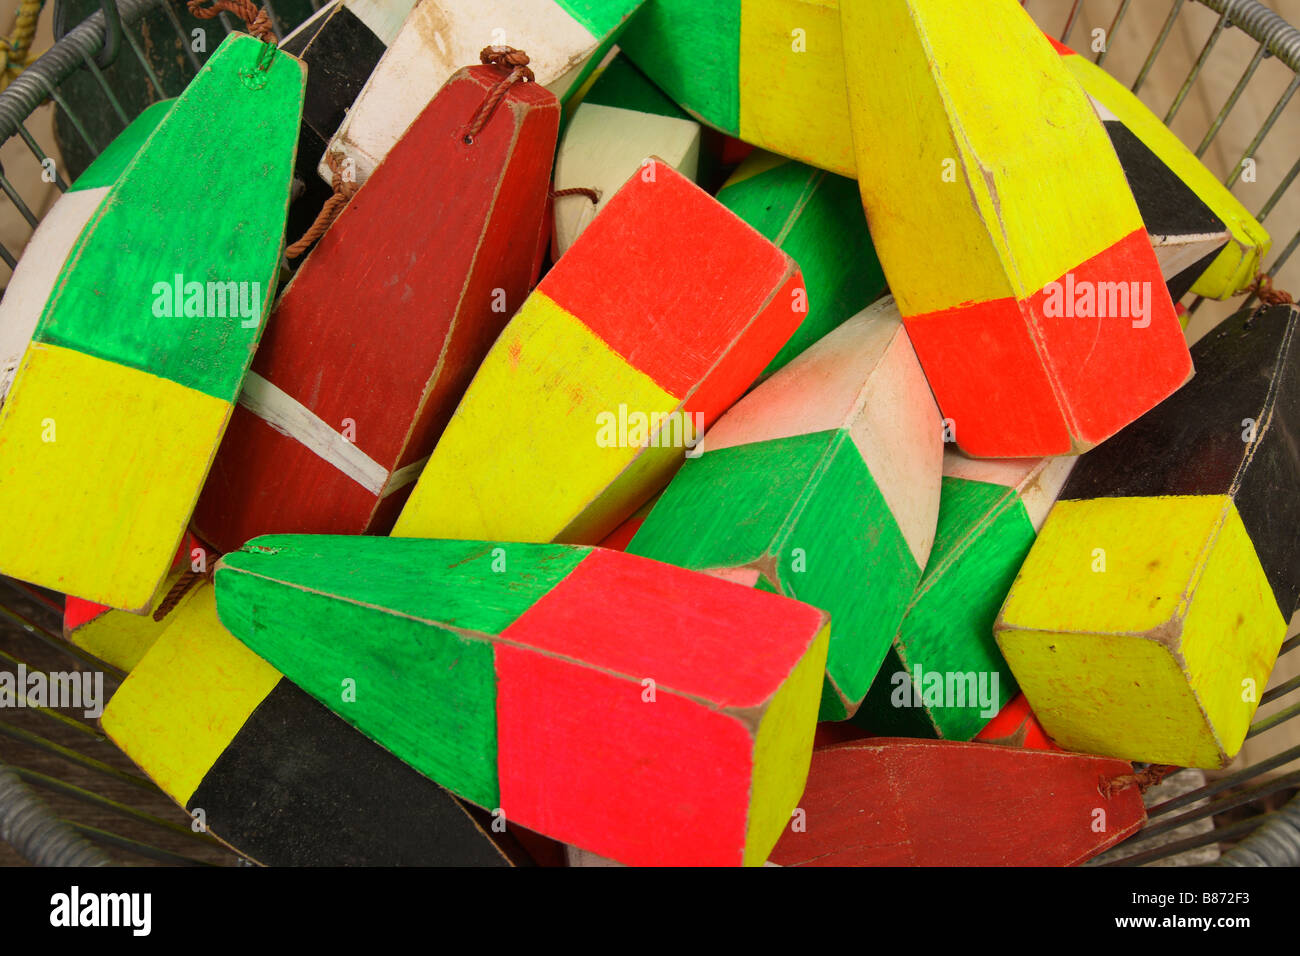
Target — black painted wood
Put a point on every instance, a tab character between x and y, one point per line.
1194	442
340	52
1169	207
298	787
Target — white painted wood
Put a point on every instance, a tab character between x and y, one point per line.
1176	253
289	417
37	271
438	38
404	476
1041	490
899	432
1009	472
819	390
603	148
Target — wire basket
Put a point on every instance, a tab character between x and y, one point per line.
115	815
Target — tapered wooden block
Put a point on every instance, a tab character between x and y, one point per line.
897	802
586	403
1016	726
816	219
119	637
564	40
268	770
371	346
1235	265
122	396
944	676
822	484
1038	309
635	709
622	120
1148	615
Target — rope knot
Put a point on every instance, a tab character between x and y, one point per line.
507	57
255	18
501	57
1262	288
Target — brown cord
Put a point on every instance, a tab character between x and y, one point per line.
1144	780
1262	288
592	194
344	190
254	17
177	591
503	57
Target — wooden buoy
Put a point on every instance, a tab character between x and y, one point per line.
1148	615
814	217
121	398
373	343
589	399
943	675
898	802
271	772
821	484
638	710
1037	307
564	40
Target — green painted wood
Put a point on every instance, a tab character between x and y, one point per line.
238	125
622	85
668	38
982	537
167	56
726	508
600	16
484	586
815	218
449	732
108	166
806	512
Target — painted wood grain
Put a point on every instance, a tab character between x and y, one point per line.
123	395
1015	311
586	404
1148	615
896	802
530	680
815	218
823	483
373	343
944	676
269	771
